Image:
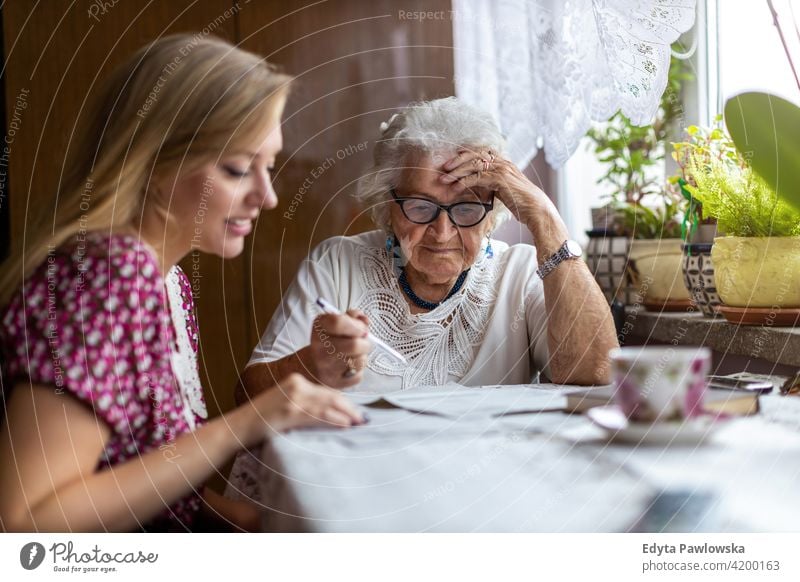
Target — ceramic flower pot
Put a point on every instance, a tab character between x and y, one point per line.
607	257
757	271
698	276
657	272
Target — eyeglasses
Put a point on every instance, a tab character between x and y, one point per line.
424	211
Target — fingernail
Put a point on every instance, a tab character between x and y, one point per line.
447	178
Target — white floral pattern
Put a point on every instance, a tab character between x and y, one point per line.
437	344
184	359
547	69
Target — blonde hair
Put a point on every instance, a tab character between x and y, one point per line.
178	101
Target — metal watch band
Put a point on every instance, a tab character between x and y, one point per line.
554	260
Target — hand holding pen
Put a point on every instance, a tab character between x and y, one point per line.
337	353
340	343
379	343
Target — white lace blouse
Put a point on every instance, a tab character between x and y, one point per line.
493	331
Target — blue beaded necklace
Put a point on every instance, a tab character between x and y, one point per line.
419	301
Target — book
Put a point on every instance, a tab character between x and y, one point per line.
730	402
782	384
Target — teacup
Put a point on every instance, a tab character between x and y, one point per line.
660	383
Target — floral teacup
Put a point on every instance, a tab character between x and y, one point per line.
660	383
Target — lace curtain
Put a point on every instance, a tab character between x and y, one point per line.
546	69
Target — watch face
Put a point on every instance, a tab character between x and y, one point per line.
574	248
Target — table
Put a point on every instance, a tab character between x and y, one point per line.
534	469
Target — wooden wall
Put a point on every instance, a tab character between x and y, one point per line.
355	61
355	65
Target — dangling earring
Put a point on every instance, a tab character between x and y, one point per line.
489	250
395	253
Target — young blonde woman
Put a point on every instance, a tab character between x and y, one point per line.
104	423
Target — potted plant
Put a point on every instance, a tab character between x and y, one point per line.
698	229
757	261
639	207
763	249
655	255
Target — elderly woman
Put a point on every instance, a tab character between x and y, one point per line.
433	284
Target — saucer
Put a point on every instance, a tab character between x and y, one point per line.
677	432
786	317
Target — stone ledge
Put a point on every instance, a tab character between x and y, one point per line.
780	345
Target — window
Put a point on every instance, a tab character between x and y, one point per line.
750	53
736	48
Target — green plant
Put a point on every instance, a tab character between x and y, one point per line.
743	202
766	129
633	156
651	222
703	144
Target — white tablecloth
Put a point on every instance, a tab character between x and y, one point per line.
469	468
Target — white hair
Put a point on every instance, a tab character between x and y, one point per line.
438	127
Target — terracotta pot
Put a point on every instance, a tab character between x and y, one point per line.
757	271
657	271
698	276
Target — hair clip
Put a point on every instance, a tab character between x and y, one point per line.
385	124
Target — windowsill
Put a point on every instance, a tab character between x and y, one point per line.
780	345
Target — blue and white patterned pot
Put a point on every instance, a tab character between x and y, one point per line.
698	275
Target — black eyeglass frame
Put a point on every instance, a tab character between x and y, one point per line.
487	207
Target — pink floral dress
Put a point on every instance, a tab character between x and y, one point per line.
94	321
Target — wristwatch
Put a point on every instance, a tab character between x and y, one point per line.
569	250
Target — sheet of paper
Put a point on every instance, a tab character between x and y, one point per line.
398	428
454	401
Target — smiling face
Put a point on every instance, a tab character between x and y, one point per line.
439	251
215	206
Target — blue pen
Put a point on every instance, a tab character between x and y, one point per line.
379	343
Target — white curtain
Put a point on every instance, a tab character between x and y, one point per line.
547	68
